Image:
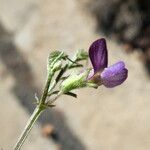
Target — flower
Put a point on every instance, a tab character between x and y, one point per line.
102	74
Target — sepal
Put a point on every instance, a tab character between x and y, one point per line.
74	82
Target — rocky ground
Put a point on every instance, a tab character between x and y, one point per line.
103	119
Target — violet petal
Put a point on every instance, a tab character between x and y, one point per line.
114	75
98	55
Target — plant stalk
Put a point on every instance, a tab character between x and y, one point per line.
40	107
37	112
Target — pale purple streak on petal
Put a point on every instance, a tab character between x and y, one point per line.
98	55
114	75
91	74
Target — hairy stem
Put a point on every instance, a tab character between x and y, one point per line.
28	127
44	95
38	110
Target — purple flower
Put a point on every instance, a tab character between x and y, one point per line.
101	73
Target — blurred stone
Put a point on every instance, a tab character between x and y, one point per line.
47	130
15	13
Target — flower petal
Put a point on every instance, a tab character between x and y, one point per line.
98	54
114	75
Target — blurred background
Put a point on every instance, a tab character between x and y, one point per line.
103	119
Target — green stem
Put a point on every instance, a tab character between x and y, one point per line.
38	110
28	127
44	95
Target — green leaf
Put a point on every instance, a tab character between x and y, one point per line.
75	66
71	94
81	55
62	71
64	78
52	93
51	105
54	55
53	60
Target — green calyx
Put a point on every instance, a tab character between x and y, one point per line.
74	82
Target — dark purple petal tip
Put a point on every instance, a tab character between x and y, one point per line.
98	54
114	75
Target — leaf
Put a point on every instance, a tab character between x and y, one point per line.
55	92
73	62
71	94
64	78
53	58
51	105
75	66
62	71
81	55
